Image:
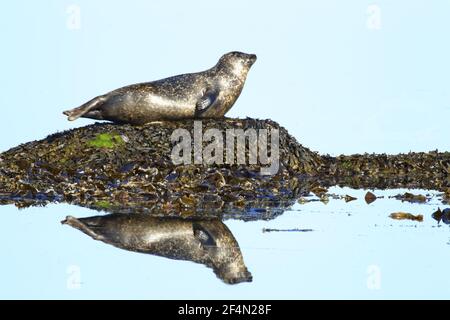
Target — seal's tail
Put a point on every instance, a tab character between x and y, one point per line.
76	113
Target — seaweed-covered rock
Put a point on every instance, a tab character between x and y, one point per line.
425	170
107	165
119	167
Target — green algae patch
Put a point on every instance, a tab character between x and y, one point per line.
106	140
103	204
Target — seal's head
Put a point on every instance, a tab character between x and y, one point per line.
233	273
238	63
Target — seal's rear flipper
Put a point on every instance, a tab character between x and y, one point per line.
94	114
82	226
76	113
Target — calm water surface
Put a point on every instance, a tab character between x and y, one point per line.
353	251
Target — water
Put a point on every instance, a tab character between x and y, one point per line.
353	251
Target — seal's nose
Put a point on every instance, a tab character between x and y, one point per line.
252	58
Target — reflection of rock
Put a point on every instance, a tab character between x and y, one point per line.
208	242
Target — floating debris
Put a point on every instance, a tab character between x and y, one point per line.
324	199
446	216
443	215
437	215
370	197
406	216
303	200
348	198
410	197
286	230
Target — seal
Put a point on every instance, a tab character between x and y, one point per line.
208	242
207	94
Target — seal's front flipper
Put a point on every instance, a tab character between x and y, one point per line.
206	102
202	235
76	113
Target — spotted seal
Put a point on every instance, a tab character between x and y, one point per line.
208	242
207	94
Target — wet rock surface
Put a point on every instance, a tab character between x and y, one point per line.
124	168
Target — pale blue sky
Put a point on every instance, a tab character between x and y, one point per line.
337	85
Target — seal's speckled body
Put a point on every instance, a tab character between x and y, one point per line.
208	242
208	94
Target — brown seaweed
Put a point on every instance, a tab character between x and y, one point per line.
111	166
406	216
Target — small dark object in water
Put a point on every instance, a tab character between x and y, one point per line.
406	216
446	216
410	197
437	215
443	215
348	198
370	197
286	230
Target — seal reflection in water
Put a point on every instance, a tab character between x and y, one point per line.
207	94
208	242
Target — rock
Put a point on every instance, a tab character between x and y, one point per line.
406	216
130	168
370	197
